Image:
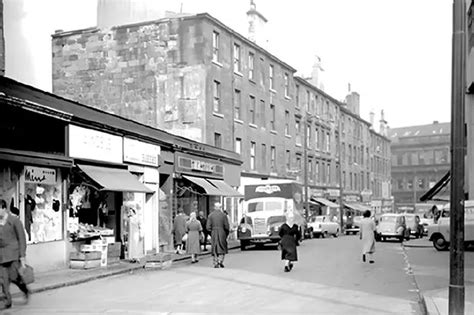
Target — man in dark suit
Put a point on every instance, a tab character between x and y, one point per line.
218	226
12	253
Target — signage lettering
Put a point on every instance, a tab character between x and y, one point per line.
39	175
268	189
202	166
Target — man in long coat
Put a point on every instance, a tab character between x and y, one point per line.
12	253
218	226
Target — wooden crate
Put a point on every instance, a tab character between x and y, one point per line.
85	255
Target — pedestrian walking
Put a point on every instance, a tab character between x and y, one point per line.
194	230
179	230
218	226
367	235
12	253
205	233
290	234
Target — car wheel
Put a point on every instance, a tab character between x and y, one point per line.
325	234
243	245
337	233
440	243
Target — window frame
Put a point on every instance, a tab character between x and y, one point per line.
215	46
237	58
251	66
216	91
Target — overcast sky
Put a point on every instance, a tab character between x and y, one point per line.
395	54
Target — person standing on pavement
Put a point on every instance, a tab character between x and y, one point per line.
203	222
194	230
290	234
12	253
218	226
179	229
367	235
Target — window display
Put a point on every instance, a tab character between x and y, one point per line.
88	213
43	217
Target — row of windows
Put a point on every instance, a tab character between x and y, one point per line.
238	68
425	157
416	183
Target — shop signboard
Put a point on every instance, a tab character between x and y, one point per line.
333	192
139	152
192	165
91	144
314	192
40	175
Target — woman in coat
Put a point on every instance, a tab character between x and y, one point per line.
194	230
290	234
367	229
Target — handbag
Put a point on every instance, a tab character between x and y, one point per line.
27	274
185	237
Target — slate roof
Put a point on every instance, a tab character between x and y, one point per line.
394	134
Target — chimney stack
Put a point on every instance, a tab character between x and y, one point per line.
256	30
383	124
316	74
372	119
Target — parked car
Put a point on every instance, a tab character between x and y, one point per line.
392	225
354	226
438	232
323	225
414	225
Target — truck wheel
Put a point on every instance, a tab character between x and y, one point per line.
440	243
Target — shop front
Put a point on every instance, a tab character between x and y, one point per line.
199	183
33	178
143	161
106	200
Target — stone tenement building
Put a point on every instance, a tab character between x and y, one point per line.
195	77
420	158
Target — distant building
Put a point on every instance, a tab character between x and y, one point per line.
195	77
420	159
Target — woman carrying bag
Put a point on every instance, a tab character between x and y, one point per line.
193	242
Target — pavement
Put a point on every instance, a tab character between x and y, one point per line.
67	277
436	302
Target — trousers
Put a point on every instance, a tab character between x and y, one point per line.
9	272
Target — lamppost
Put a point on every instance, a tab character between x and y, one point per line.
305	166
341	173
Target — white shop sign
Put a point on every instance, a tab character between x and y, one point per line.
95	145
139	152
40	175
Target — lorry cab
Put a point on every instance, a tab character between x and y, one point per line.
264	210
439	232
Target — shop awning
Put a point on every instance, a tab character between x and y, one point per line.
204	184
114	179
325	202
431	194
356	206
225	188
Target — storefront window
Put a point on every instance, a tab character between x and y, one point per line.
43	220
43	216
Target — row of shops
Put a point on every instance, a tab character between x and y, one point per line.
80	178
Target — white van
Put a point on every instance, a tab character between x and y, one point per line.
438	233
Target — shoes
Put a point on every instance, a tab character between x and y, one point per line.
363	257
371	262
221	265
216	266
193	261
291	266
287	269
